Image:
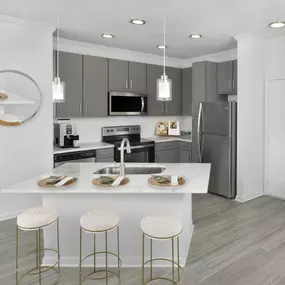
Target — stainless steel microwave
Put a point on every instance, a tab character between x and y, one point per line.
130	104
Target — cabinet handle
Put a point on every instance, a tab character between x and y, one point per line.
233	84
80	108
230	84
86	108
131	84
126	83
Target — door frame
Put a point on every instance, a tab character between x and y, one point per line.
266	130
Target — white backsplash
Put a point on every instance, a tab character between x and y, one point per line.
89	129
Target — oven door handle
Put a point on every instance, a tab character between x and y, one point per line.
139	146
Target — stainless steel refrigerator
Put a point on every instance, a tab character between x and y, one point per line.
217	144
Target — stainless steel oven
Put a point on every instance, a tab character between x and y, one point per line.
123	103
139	153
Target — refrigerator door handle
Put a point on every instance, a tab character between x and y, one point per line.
199	132
202	136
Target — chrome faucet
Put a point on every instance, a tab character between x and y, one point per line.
122	166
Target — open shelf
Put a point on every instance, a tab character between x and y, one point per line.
14	99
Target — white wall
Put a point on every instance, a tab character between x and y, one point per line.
26	151
250	138
274	62
89	129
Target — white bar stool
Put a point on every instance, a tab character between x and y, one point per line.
35	219
96	222
161	228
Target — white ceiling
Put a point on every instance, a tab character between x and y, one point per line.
217	20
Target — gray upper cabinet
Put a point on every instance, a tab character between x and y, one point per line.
235	76
187	91
127	76
70	70
95	86
137	77
155	108
174	107
227	77
204	84
118	75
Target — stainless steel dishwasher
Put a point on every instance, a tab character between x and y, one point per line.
74	157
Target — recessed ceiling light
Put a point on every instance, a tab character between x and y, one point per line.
107	36
195	36
137	22
277	24
161	46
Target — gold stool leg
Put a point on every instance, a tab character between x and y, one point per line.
118	245
58	254
94	243
106	249
17	254
178	259
151	259
142	258
37	248
80	255
173	277
39	256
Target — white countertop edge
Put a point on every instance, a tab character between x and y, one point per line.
161	139
83	147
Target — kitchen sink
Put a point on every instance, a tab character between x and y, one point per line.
132	170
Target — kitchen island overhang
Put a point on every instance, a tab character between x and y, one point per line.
136	200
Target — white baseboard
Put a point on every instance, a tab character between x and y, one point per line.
246	199
11	215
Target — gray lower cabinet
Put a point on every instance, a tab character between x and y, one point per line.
105	155
95	86
174	107
70	71
155	108
118	75
173	152
227	77
187	91
185	156
137	77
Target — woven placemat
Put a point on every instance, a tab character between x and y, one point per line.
97	182
152	181
44	182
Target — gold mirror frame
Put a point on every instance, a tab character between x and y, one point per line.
6	123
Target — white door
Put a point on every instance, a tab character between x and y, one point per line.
275	138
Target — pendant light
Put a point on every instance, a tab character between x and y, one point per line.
164	84
58	86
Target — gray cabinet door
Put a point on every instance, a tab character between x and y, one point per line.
70	71
187	91
155	108
235	77
185	156
118	75
95	86
167	156
174	107
137	77
225	77
199	70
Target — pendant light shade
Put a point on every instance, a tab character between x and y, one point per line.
164	84
58	86
58	90
164	88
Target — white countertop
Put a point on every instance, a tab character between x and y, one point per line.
196	175
159	139
82	147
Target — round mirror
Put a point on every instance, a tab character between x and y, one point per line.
20	97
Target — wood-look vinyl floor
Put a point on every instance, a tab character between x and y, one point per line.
233	244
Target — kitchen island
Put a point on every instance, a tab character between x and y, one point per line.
131	202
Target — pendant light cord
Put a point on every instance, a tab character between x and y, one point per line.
57	54
164	50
